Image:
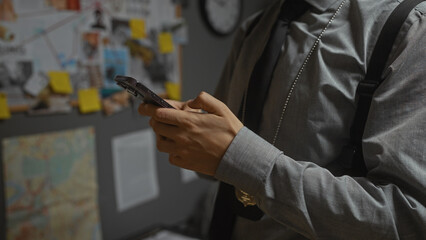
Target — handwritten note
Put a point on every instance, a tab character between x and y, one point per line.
60	82
88	100
165	42
4	108
137	28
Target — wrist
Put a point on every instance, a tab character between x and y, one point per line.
247	161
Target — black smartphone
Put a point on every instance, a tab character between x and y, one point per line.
140	91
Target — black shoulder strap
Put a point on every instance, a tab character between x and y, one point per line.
373	78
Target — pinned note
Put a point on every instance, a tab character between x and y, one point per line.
137	28
60	82
4	108
173	90
36	84
88	100
165	42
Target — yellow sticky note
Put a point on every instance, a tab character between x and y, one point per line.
4	109
88	100
165	41
173	90
60	82
137	28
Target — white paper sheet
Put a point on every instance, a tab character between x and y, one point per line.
36	84
135	171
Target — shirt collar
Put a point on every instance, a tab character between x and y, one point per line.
321	5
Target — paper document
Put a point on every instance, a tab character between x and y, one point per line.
135	171
36	84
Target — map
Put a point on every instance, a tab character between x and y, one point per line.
51	187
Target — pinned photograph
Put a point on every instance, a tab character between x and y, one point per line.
115	103
6	34
65	4
121	31
7	11
15	74
99	19
90	46
95	76
116	62
49	103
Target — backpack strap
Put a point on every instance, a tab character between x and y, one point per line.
373	79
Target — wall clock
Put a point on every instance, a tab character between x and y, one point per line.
221	16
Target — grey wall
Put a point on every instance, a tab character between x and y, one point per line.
206	53
203	60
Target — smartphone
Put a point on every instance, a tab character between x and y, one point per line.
140	91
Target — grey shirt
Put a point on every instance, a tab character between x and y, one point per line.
315	81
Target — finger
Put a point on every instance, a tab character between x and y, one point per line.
182	106
208	103
175	117
165	130
176	160
181	161
176	104
147	109
166	145
163	138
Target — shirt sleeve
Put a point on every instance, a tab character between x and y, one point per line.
390	203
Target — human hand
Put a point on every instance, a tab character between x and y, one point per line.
194	140
182	106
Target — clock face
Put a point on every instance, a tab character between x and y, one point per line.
222	16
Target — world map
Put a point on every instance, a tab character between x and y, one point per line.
50	186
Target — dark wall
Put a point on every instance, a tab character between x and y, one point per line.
203	59
206	53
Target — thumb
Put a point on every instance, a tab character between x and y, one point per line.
207	103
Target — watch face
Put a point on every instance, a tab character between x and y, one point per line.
222	16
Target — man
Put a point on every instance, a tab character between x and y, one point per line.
289	165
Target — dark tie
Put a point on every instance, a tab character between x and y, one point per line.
261	76
227	206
